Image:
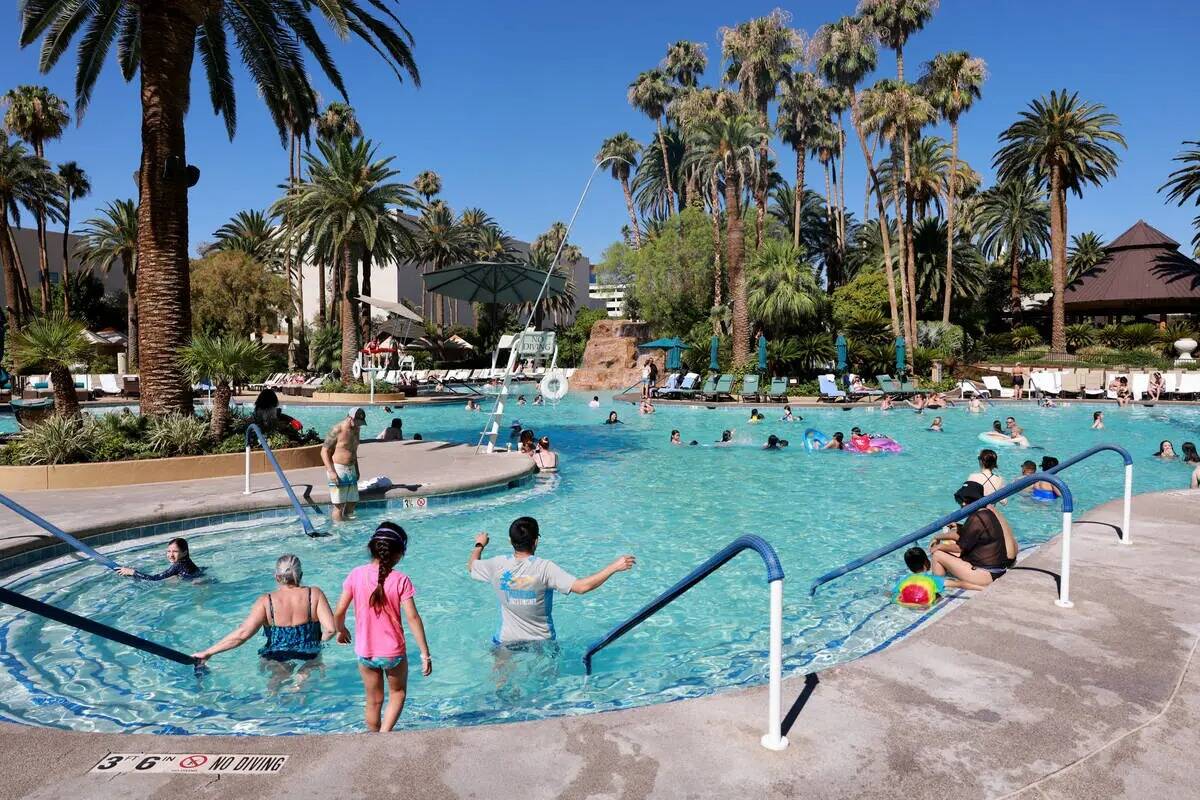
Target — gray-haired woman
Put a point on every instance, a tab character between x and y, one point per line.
295	620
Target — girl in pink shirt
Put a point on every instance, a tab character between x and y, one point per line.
378	594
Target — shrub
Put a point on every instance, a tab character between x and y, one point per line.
945	337
59	439
1143	334
1079	335
869	327
1096	351
1112	335
176	435
356	387
1025	337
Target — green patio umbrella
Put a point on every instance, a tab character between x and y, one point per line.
493	282
762	354
714	347
841	353
900	360
674	348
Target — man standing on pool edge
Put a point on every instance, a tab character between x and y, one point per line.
340	456
525	584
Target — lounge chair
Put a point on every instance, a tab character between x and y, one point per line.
1069	383
888	384
131	386
864	392
709	387
1189	384
1140	383
671	384
1109	377
723	388
779	387
107	385
686	387
270	379
1046	382
830	393
749	388
1170	383
1093	384
969	389
994	388
908	386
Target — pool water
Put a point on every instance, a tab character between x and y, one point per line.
622	489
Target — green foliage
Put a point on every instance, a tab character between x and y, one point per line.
673	274
1080	335
781	289
357	387
176	435
872	359
1024	337
814	351
223	359
869	327
572	339
48	342
943	337
1142	334
1176	330
324	347
235	295
865	295
59	439
89	302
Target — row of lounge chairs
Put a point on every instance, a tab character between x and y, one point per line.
298	383
87	387
1093	383
830	393
716	386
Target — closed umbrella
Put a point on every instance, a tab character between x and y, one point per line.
762	354
900	360
713	348
841	353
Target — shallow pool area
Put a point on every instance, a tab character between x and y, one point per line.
621	489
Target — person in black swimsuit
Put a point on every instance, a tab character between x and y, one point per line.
180	560
979	550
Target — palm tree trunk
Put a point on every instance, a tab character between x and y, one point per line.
1014	281
12	286
735	240
219	422
662	146
366	289
24	297
349	323
321	298
912	260
288	258
841	183
167	48
43	261
129	262
716	232
66	265
884	235
1058	260
798	195
950	198
633	223
906	322
65	401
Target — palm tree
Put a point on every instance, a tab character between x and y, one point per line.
685	62
652	188
1068	143
728	147
158	42
782	291
22	183
254	233
816	238
439	240
953	82
650	93
56	343
428	184
74	184
106	239
759	55
897	20
337	120
624	151
226	361
801	108
347	203
1184	184
37	115
929	244
1085	252
1014	220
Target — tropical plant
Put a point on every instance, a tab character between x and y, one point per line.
1079	335
1140	335
158	42
1067	143
338	120
652	192
1014	220
801	108
112	237
53	343
685	62
253	233
1024	337
869	327
325	348
953	82
814	350
74	185
1176	329
225	361
59	439
233	294
624	150
781	289
22	183
428	184
1085	252
1184	183
929	254
1111	335
816	233
650	93
177	435
439	240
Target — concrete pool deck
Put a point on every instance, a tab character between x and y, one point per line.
1005	695
443	469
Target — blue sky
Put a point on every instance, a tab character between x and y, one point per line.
517	97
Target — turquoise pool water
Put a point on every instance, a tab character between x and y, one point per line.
622	489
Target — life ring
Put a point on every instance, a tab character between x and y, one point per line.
554	385
814	440
998	439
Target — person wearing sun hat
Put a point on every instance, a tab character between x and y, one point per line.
340	456
976	552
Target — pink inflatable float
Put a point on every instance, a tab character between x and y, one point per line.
863	444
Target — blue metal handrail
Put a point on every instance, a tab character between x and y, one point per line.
719	559
1127	458
54	530
1068	506
91	626
305	523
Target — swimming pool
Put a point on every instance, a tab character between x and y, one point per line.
622	489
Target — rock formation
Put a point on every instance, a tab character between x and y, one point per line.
611	359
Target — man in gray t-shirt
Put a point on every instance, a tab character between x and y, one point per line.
525	584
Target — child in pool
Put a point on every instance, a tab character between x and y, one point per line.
937	425
917	561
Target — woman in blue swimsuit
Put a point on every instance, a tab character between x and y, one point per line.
295	620
1044	490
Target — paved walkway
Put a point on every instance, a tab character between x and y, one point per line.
1006	695
415	467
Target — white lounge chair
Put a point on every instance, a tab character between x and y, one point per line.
1140	383
1109	377
108	384
969	389
1189	383
1170	384
1047	381
994	388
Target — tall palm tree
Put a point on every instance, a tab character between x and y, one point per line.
759	55
1014	221
440	240
56	342
254	233
728	148
782	290
428	184
652	188
624	151
113	237
929	244
337	120
226	361
953	82
158	42
346	201
896	21
650	93
685	62
37	115
1085	252
801	107
74	184
1068	143
22	183
1184	183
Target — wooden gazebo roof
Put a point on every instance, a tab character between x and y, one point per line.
1143	271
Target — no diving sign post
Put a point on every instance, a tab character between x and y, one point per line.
206	763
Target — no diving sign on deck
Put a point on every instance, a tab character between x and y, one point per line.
198	763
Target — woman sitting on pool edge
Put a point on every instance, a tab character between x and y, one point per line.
295	619
180	560
976	552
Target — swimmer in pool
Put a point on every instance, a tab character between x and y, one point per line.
861	441
836	442
937	425
787	414
594	402
775	443
180	559
756	416
1043	490
918	403
646	408
1098	421
885	403
726	438
1015	432
612	419
675	439
1165	450
975	406
521	400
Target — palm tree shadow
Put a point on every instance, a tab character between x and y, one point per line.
1173	267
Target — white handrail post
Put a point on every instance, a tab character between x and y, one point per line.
247	491
1064	583
774	738
1125	533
